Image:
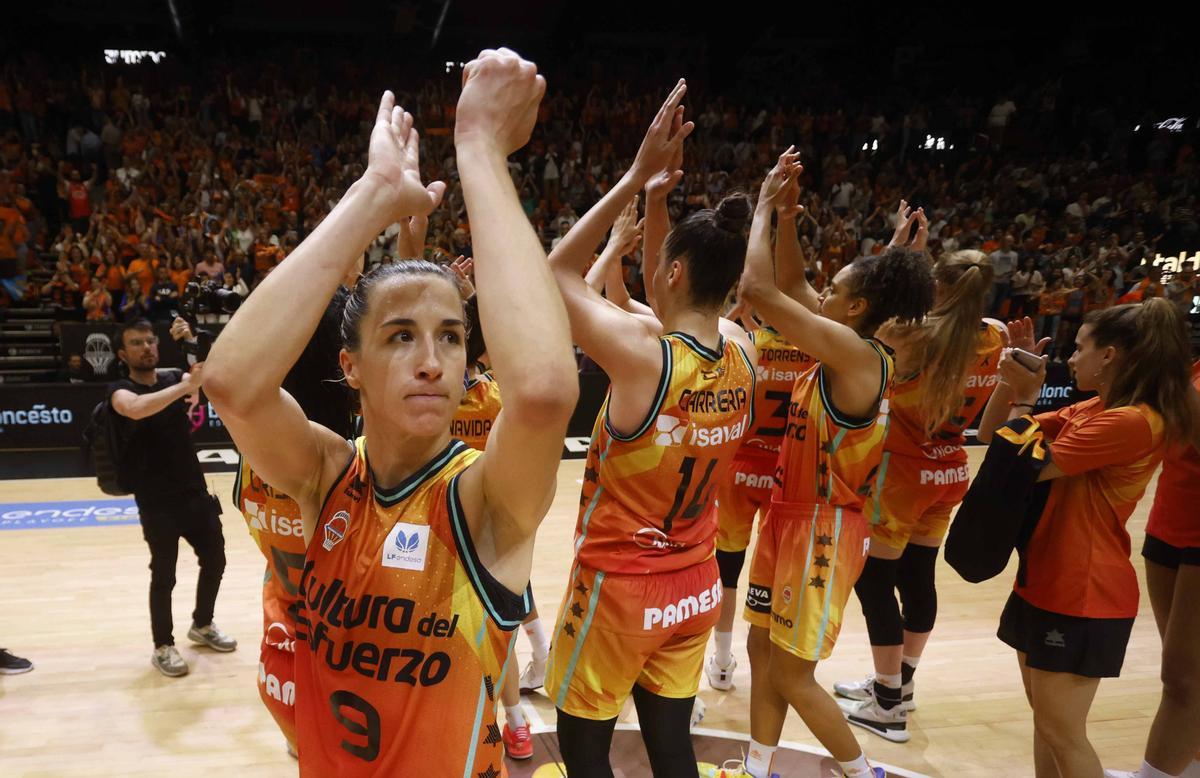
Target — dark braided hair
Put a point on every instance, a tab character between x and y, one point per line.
356	304
897	284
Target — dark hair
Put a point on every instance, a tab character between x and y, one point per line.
1155	355
356	304
476	345
712	243
137	325
897	284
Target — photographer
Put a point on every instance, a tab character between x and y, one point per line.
169	488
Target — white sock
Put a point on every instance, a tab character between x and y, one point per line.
515	716
858	768
724	641
758	759
890	681
537	639
911	661
1150	771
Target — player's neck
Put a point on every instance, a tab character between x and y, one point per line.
701	326
394	457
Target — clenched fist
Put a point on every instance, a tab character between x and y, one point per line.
499	101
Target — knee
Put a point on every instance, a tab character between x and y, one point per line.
1060	732
792	676
730	564
917	590
758	646
1181	678
213	560
876	593
162	579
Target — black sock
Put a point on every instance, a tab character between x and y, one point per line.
886	696
906	672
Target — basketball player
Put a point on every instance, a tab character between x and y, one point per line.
1172	554
1070	618
946	369
813	543
747	489
419	548
644	588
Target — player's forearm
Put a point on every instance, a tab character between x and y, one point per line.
655	228
266	337
146	405
598	274
520	310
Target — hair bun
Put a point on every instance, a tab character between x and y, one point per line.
733	212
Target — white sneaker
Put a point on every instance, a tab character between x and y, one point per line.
169	662
865	690
212	637
533	676
720	678
888	724
1121	773
698	710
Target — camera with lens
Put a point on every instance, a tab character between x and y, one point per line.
201	298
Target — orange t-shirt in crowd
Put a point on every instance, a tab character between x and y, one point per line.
181	277
1175	517
144	270
1077	561
12	231
1052	302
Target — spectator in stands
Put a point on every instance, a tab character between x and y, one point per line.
163	298
1004	262
97	303
134	304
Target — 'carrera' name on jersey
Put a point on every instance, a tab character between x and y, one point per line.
720	401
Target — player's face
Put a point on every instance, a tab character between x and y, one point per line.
140	350
837	303
1089	360
409	366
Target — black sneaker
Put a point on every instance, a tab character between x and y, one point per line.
13	665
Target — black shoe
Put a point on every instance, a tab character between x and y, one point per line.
13	665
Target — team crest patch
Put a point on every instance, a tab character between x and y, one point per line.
335	530
406	546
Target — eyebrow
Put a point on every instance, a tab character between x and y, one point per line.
413	323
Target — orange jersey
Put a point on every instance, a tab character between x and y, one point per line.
826	457
906	427
647	500
402	634
477	412
1174	518
1077	560
779	365
274	522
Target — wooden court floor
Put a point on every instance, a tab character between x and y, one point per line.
75	602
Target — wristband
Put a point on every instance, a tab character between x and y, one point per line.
1022	405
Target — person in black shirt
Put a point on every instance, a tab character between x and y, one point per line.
163	297
169	489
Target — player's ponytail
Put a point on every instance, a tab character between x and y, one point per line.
712	244
951	332
1154	356
897	286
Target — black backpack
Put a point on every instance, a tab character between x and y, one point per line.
1003	505
107	439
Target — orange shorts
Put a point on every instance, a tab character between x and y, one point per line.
615	630
277	678
744	492
914	497
806	562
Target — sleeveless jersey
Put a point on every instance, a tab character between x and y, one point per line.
906	431
779	365
274	522
477	412
647	500
402	634
827	457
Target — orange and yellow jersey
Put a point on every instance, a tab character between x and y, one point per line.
274	522
779	365
647	500
906	427
827	457
477	412
402	634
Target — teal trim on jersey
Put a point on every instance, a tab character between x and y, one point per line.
808	558
877	494
475	569
847	422
476	731
237	484
700	349
664	383
409	485
587	515
837	536
583	631
833	447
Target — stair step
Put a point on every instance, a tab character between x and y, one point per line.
49	363
22	336
28	376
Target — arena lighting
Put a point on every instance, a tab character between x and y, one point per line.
132	56
451	64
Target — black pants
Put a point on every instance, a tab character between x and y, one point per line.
197	519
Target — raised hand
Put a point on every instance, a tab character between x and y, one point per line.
499	101
1020	335
627	230
464	271
662	182
788	203
393	163
664	140
905	218
775	187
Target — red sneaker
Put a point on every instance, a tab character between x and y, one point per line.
518	744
